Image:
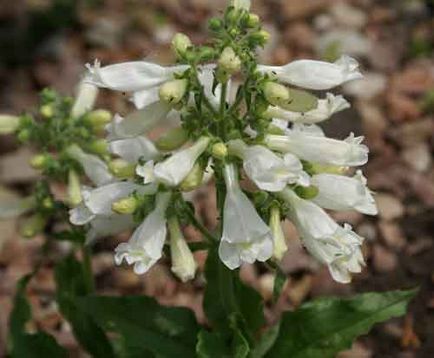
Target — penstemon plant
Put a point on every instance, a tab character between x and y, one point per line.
242	125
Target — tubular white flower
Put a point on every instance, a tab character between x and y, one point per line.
138	122
332	245
140	77
133	149
326	108
146	171
183	263
176	168
85	99
145	247
102	226
337	192
95	169
316	75
310	144
267	170
280	246
246	238
241	4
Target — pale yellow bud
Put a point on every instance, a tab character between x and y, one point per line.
74	189
98	118
125	206
172	92
47	111
229	62
32	226
39	161
280	246
121	169
276	93
180	44
219	151
194	179
99	146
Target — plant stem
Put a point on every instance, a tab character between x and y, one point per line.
199	226
87	268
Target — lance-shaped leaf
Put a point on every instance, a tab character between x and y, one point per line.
324	327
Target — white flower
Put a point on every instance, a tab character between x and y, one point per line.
95	168
85	99
138	122
337	247
183	263
267	170
337	192
246	238
241	4
145	247
146	171
141	78
316	75
325	109
134	149
102	226
175	169
309	143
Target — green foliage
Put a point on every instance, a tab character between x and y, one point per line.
324	327
29	345
71	285
144	325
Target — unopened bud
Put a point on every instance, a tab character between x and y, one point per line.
307	193
85	99
215	24
261	37
229	62
74	189
328	169
48	203
172	92
121	169
276	93
219	151
8	124
253	20
173	139
280	246
183	264
125	206
180	44
23	135
194	179
98	118
47	111
272	129
99	146
39	161
32	226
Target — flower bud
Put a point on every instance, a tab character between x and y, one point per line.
280	246
48	203
183	264
180	44
172	92
125	206
329	169
74	189
85	99
215	24
307	193
219	151
32	226
47	111
99	146
23	135
229	62
39	161
194	179
98	118
8	124
173	139
276	93
121	169
252	20
261	37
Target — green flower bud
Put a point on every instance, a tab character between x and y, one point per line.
180	44
252	20
121	169
98	118
219	151
229	62
173	139
276	93
280	246
47	111
74	189
194	179
32	226
272	129
39	161
23	135
215	24
329	169
125	206
206	53
261	37
99	146
172	92
8	124
307	193
48	203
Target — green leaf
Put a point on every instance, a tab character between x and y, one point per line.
25	345
265	343
231	344
145	325
71	284
301	101
324	327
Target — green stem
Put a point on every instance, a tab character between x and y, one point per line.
199	226
87	268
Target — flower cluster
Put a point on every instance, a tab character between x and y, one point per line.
235	120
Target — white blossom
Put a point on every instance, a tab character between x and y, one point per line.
246	238
316	75
134	149
85	99
337	192
175	169
325	109
309	143
145	246
335	246
267	170
146	171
